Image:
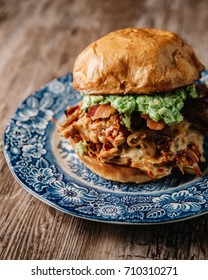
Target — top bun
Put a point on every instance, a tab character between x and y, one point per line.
136	60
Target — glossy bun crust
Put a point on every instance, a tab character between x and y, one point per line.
119	173
136	61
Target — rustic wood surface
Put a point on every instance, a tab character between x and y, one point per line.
39	40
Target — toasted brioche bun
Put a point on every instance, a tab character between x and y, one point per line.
136	61
114	172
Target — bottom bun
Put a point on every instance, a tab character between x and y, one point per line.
114	172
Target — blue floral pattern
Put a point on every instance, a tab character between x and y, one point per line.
35	114
35	150
182	201
31	157
39	178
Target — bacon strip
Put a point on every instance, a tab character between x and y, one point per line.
91	111
100	111
152	124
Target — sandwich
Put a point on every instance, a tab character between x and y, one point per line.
142	114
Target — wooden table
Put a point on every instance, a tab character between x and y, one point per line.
39	40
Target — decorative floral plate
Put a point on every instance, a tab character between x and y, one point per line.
46	166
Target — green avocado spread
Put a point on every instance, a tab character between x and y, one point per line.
159	106
81	147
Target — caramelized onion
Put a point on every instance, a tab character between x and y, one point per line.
149	147
135	138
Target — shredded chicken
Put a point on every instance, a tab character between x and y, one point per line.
109	130
155	151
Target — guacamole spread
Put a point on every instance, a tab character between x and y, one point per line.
81	147
160	106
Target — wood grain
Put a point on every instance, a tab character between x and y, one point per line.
39	42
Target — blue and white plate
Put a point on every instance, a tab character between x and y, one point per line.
46	166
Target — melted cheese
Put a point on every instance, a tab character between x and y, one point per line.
184	136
